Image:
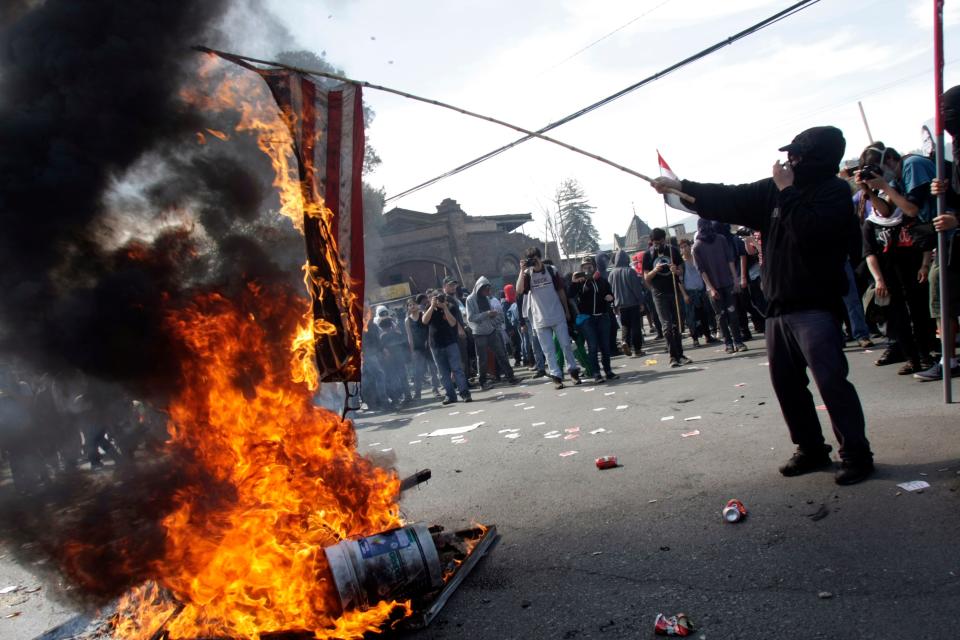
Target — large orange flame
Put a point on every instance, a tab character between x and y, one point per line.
278	479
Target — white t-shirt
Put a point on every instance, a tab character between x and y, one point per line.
544	307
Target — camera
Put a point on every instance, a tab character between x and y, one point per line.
441	298
529	262
870	171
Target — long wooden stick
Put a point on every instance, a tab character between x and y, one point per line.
333	76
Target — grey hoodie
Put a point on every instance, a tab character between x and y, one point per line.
626	284
480	322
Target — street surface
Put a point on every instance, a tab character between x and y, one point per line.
597	554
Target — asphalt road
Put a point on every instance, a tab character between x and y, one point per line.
597	554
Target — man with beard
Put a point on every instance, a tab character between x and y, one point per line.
805	215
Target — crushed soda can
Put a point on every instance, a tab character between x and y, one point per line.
734	511
606	462
678	625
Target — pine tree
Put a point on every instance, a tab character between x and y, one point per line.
575	214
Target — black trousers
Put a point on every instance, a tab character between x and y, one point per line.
632	322
666	305
814	340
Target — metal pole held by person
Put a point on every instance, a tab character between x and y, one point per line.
946	314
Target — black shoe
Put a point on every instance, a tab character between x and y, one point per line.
803	462
612	376
598	379
730	349
557	382
854	471
486	385
514	380
741	347
684	360
696	343
675	363
889	356
659	335
447	401
540	374
467	397
746	336
577	380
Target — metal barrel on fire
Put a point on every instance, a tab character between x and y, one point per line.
392	565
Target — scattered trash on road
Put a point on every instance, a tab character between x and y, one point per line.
678	625
734	511
621	407
560	395
12	615
913	485
450	431
529	408
610	393
600	409
572	430
824	595
538	424
512	435
665	418
598	430
473	413
690	434
692	418
821	407
552	434
650	362
415	442
571	436
11	589
590	389
567	453
651	501
740	384
386	450
372	444
597	553
606	462
520	404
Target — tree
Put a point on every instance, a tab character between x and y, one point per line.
574	219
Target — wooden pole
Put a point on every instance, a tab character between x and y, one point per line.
863	116
946	317
244	61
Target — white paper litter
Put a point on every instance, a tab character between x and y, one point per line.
552	433
422	413
387	449
538	424
373	444
567	453
610	393
520	404
690	434
621	407
529	408
590	389
449	431
512	435
600	409
572	430
454	413
473	413
571	436
11	589
692	418
460	441
560	395
415	442
596	431
665	418
552	436
913	485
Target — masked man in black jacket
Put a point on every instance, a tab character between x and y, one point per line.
808	228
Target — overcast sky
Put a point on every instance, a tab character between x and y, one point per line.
720	119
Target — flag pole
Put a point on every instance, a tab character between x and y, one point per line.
666	228
946	318
245	61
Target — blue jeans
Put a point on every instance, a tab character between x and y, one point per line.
448	362
545	336
597	331
858	324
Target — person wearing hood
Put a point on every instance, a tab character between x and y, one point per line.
899	267
485	321
947	223
628	298
714	258
593	297
806	218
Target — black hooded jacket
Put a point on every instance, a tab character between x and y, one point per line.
808	230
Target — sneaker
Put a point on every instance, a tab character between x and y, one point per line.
803	462
540	374
598	379
486	385
685	360
577	380
447	401
865	343
729	349
936	373
467	397
909	367
557	382
854	471
741	347
612	376
675	363
889	356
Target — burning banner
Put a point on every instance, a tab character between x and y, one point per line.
327	130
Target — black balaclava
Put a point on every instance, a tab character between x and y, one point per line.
820	150
706	231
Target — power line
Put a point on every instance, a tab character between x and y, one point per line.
602	38
789	11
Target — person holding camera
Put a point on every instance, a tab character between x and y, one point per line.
805	215
663	273
484	321
445	347
594	296
548	312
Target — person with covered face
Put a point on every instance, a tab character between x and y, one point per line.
714	258
806	218
484	319
663	271
629	297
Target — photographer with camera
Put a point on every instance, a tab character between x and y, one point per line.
806	219
662	271
547	311
444	345
594	296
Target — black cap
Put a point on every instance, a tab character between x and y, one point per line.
822	145
450	280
